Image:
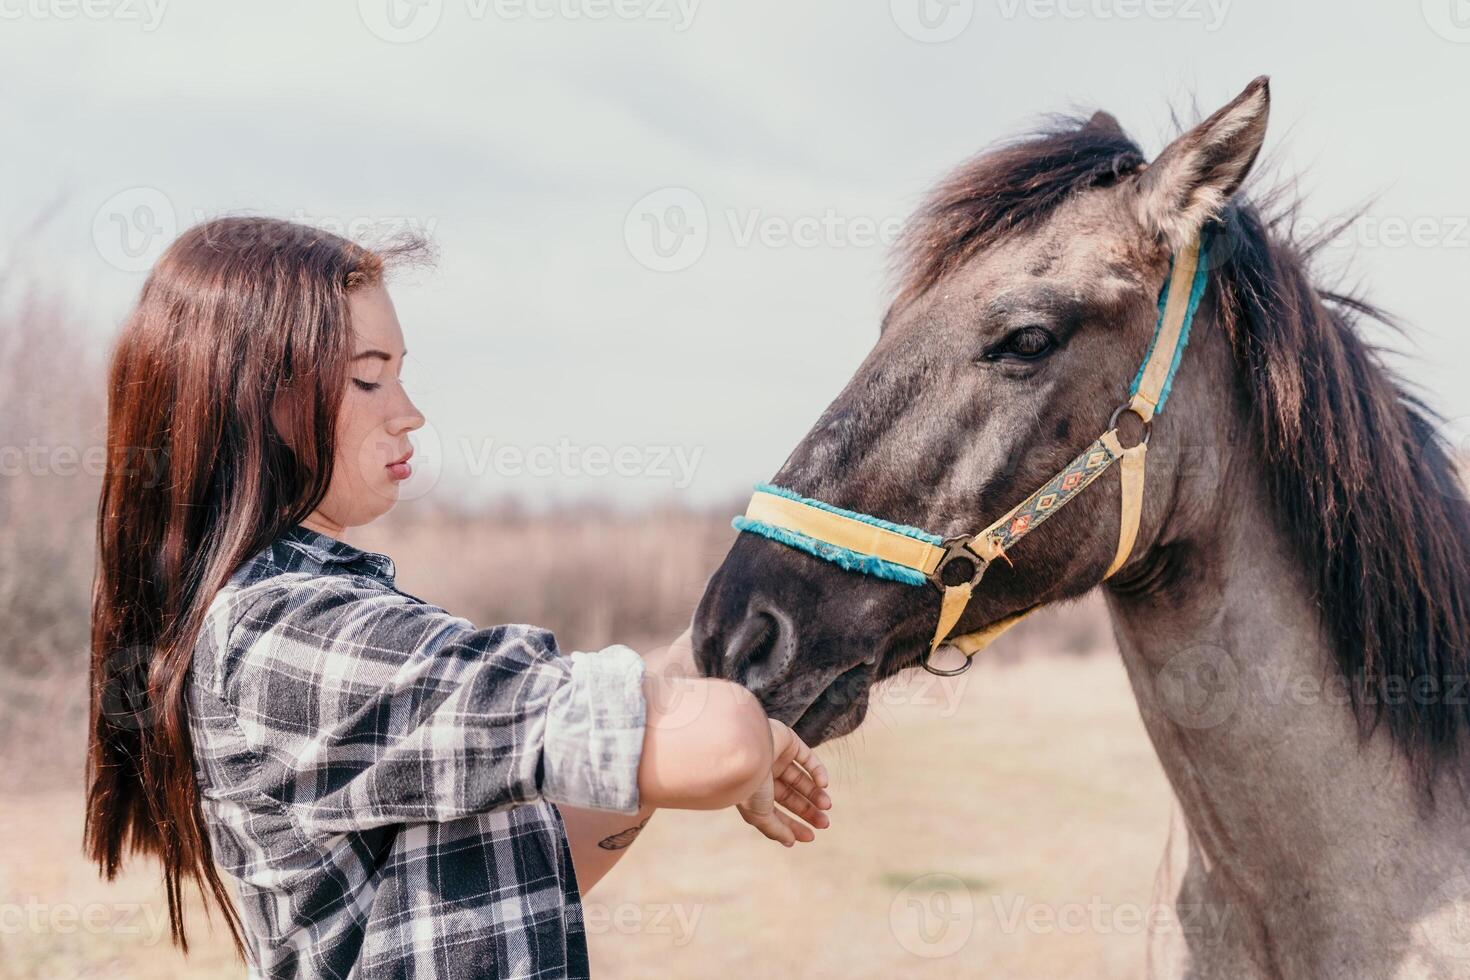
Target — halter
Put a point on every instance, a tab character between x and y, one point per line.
955	566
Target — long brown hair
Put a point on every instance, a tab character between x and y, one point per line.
239	316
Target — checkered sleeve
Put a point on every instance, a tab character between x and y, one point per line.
364	707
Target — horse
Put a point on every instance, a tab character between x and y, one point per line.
1302	543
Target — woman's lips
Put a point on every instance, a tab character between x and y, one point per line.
399	468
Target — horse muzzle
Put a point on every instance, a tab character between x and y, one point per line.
804	637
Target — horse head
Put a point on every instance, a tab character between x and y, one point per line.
1030	296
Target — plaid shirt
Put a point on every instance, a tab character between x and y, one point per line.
378	775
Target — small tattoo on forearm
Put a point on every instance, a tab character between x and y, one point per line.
622	838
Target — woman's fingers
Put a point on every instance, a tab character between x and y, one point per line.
798	830
800	805
772	825
803	783
798	784
809	761
790	748
781	827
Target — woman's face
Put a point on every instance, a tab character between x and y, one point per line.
374	422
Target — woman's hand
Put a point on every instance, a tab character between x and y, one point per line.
692	720
797	782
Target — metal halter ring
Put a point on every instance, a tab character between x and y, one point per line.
946	673
958	549
1148	425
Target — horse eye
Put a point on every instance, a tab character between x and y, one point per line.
1026	344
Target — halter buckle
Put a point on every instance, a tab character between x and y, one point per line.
958	549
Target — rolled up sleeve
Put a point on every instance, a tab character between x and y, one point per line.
594	732
363	707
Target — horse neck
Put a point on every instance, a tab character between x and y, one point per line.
1311	841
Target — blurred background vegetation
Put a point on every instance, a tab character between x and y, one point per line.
1006	823
595	575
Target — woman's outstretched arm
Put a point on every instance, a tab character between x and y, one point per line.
707	744
355	706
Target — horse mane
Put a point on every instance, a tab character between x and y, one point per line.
1363	484
1007	190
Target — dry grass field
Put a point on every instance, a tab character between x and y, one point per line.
1004	824
1007	825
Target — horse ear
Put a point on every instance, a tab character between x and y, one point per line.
1195	176
1103	122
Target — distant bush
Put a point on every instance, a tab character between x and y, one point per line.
594	575
52	415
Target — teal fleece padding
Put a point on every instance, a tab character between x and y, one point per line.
904	529
843	557
1196	293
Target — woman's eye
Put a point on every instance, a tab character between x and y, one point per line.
1026	344
366	385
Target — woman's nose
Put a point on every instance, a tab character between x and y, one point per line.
408	417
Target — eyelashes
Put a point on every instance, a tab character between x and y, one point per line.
366	385
1026	344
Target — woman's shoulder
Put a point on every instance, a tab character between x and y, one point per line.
305	587
312	603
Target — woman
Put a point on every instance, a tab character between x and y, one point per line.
375	775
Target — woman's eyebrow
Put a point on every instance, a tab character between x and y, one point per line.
382	355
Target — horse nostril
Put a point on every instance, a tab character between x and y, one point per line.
760	652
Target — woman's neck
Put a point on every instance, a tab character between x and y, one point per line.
321	524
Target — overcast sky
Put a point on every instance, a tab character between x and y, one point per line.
663	224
